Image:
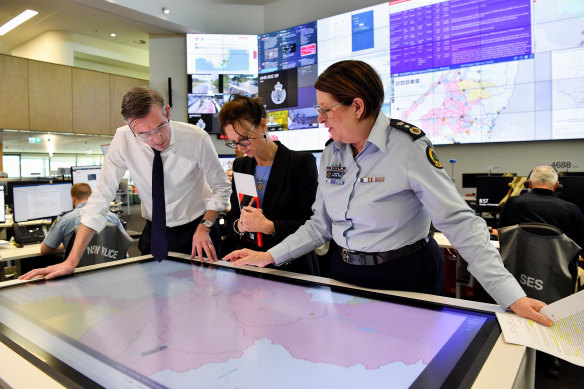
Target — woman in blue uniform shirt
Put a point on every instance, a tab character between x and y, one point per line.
380	186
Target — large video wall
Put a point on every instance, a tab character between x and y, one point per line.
465	71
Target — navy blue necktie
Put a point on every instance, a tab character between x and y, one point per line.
159	245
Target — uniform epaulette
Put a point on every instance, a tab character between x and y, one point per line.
410	129
328	141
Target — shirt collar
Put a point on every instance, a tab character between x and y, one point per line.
377	136
543	191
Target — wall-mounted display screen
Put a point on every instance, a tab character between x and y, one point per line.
243	84
175	323
288	48
218	66
488	71
222	54
463	71
227	161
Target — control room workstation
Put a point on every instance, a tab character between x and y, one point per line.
29	208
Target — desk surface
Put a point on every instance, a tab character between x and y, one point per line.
9	252
504	368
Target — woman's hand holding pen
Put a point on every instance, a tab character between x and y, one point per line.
253	220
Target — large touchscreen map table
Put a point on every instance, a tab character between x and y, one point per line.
180	324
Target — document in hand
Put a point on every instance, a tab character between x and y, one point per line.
565	339
246	192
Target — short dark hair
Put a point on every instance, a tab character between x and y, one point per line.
241	107
81	191
347	80
137	103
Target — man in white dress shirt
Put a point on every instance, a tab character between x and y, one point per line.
196	188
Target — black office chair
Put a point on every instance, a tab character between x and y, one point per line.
110	244
545	262
542	258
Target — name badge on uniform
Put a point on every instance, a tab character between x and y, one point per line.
334	174
372	179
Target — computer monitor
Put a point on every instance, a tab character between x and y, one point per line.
570	174
41	201
86	174
469	180
12	183
490	191
2	208
227	161
573	190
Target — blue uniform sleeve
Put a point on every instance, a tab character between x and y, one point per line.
466	231
59	232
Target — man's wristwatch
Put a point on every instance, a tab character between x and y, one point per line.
207	223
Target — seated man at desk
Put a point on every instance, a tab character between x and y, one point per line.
61	232
542	205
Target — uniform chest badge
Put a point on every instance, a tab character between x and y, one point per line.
433	158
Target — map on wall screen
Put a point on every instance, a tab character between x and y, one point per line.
172	324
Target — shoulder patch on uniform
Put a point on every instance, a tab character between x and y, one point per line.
410	129
433	158
328	142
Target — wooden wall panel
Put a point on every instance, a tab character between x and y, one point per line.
50	97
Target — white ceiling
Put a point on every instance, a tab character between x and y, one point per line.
131	20
76	17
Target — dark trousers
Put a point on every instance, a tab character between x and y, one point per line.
180	238
422	271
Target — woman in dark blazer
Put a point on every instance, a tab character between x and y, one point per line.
286	183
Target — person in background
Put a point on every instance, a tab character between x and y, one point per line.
195	186
542	205
285	180
63	229
380	186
